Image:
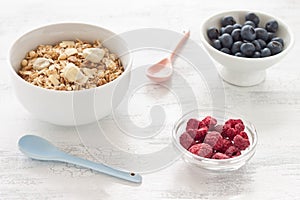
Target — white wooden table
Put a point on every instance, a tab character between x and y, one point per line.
273	107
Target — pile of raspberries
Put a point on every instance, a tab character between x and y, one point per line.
208	139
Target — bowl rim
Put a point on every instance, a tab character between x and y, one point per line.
26	33
228	12
251	150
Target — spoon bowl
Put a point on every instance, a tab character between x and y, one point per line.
163	70
38	148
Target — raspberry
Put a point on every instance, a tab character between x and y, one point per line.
202	131
239	127
195	148
226	126
201	149
220	156
198	134
211	128
186	140
226	144
209	121
230	133
192	124
207	139
241	142
214	139
232	127
218	128
192	133
233	122
202	124
244	134
232	151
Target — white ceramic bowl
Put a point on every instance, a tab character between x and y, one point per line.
69	107
238	70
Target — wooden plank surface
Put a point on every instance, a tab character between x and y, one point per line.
273	107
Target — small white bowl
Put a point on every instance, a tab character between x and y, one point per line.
242	71
69	107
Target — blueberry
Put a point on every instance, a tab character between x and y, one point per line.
228	29
247	49
265	52
261	33
246	40
222	30
272	26
225	50
251	23
270	36
237	26
236	35
213	33
226	40
217	44
248	33
278	39
256	54
236	47
256	45
262	43
252	17
275	47
227	20
239	54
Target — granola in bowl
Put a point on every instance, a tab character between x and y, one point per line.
70	65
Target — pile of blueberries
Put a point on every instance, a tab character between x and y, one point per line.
247	40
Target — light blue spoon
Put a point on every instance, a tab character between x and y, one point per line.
41	149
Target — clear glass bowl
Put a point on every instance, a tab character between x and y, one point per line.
213	164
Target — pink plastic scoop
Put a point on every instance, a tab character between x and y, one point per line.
163	70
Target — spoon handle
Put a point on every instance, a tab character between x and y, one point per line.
129	176
179	45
